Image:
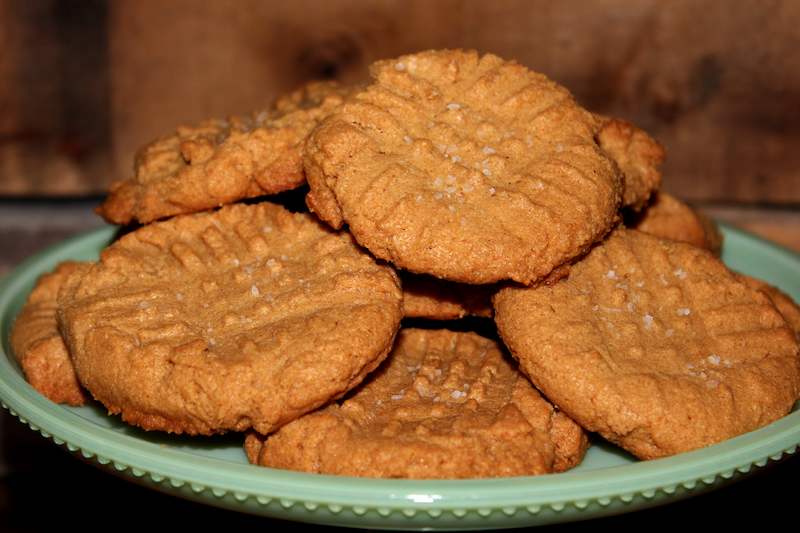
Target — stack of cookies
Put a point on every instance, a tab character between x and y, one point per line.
454	185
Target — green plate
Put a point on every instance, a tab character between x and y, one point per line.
215	470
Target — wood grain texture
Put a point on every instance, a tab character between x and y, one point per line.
81	89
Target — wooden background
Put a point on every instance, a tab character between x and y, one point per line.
84	83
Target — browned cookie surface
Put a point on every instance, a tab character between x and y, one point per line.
37	344
465	167
244	317
654	344
638	156
785	303
670	218
436	299
443	405
218	162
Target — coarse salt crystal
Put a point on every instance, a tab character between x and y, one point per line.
400	66
648	321
453	106
254	290
714	359
684	311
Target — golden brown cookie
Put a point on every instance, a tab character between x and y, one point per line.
443	405
785	303
669	218
655	345
465	167
248	316
37	344
638	156
432	298
218	162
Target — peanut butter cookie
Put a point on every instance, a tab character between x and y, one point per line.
443	405
218	162
248	316
670	218
465	167
638	156
37	344
655	345
432	298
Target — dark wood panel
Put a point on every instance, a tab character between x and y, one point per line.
82	87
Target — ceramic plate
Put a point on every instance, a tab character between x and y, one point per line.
215	470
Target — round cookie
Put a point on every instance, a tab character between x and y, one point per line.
218	162
443	405
655	345
465	167
248	316
37	344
